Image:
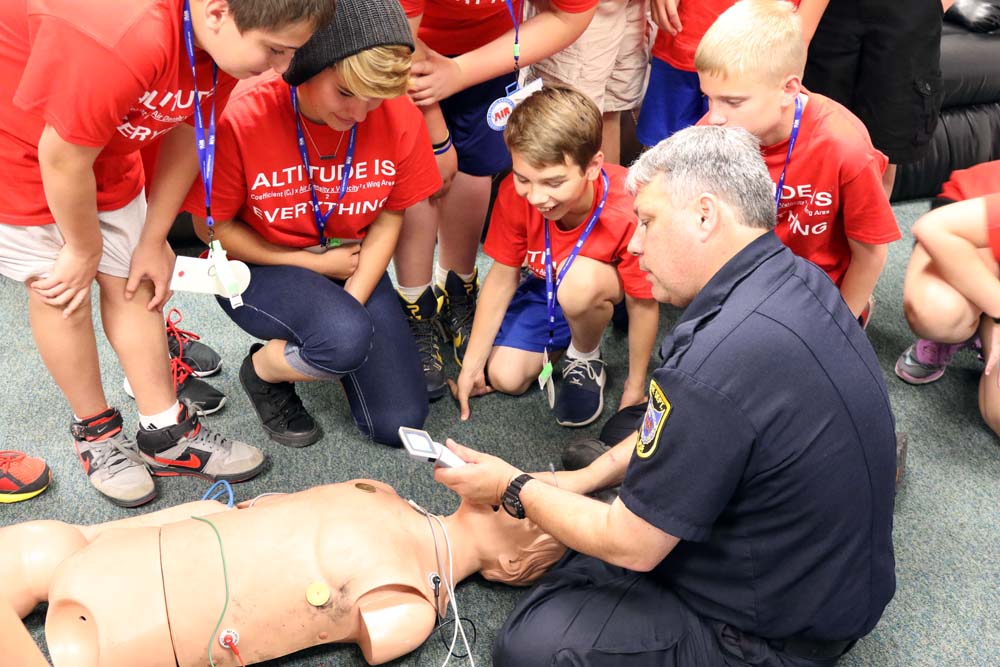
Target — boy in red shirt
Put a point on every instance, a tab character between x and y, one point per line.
72	207
319	294
467	55
561	200
832	209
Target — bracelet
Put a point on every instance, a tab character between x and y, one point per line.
443	148
444	142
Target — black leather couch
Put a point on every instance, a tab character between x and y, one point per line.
969	128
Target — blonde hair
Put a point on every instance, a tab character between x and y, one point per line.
527	564
555	123
754	39
381	72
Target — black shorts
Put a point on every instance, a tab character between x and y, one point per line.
881	59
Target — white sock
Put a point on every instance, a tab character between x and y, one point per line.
162	419
411	294
571	351
441	275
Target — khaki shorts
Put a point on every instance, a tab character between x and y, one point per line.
608	62
30	252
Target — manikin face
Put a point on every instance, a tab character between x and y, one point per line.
325	99
247	54
556	190
752	104
666	243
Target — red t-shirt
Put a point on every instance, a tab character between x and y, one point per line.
111	73
833	188
696	16
517	232
259	177
454	27
982	179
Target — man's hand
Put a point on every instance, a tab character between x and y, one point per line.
153	262
471	383
434	79
665	15
447	164
483	481
68	283
339	263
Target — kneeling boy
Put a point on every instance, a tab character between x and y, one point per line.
562	202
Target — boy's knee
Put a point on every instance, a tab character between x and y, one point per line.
939	317
588	284
508	378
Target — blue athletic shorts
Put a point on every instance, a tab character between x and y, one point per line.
673	101
525	325
481	150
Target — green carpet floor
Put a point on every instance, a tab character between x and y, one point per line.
947	606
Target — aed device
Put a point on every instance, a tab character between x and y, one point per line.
420	445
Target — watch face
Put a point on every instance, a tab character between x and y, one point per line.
511	504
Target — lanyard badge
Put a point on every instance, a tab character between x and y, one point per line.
552	283
500	109
216	275
345	175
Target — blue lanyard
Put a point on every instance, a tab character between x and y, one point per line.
345	174
205	144
552	286
516	18
791	145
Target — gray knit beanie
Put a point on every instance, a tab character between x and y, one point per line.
357	25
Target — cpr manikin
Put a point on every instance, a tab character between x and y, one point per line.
349	562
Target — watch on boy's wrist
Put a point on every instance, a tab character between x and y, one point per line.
512	496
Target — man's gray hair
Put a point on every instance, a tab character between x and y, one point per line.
723	161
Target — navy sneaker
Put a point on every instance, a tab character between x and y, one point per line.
580	397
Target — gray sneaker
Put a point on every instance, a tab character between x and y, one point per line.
111	460
191	448
925	361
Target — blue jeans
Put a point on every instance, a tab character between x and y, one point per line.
369	346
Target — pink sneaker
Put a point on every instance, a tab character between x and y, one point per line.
925	361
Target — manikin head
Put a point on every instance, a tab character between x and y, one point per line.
511	551
554	138
750	64
701	196
355	62
249	37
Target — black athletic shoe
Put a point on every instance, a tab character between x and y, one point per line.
278	407
186	346
203	397
425	325
459	310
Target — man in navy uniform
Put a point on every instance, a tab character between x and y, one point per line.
754	523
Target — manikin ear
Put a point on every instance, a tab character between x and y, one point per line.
216	13
594	167
707	207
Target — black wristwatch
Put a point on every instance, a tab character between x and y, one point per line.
512	496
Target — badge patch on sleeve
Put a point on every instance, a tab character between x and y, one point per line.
657	411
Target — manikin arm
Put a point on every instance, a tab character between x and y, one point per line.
18	646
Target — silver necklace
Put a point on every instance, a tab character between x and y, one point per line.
321	154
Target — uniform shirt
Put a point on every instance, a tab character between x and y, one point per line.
111	73
454	27
833	188
260	179
517	233
768	448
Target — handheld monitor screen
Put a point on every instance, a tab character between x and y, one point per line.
419	442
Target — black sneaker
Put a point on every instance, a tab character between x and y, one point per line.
278	407
191	448
425	325
204	398
580	397
458	310
186	346
111	460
